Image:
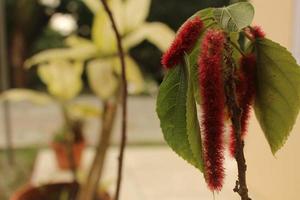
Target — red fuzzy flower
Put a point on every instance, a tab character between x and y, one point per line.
213	104
245	93
256	32
184	41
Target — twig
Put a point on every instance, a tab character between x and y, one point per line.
70	141
124	97
89	189
237	48
236	112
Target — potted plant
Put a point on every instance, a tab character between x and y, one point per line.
223	65
54	76
59	145
105	72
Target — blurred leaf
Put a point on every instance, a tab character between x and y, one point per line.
62	78
79	53
17	95
235	17
277	100
133	74
101	77
93	5
136	12
157	33
102	33
77	41
81	111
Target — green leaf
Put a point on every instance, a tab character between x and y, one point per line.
278	92
235	17
194	55
171	110
193	127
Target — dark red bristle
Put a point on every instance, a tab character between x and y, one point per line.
184	41
213	104
245	93
257	32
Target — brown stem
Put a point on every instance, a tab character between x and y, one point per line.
69	141
124	97
235	112
88	190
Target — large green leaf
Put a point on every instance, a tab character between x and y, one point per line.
193	127
171	110
278	92
235	17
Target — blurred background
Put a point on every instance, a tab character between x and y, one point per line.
51	51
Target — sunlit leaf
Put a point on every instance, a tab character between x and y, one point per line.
16	95
81	111
157	33
101	77
77	41
62	78
80	53
278	92
102	33
136	12
235	17
93	5
133	75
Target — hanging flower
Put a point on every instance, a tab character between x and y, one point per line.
213	104
183	43
245	93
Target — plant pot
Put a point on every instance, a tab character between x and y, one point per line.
57	191
61	153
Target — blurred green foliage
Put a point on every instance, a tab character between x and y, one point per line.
171	12
14	177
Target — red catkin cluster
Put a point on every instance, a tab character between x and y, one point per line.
213	104
245	94
183	43
256	32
